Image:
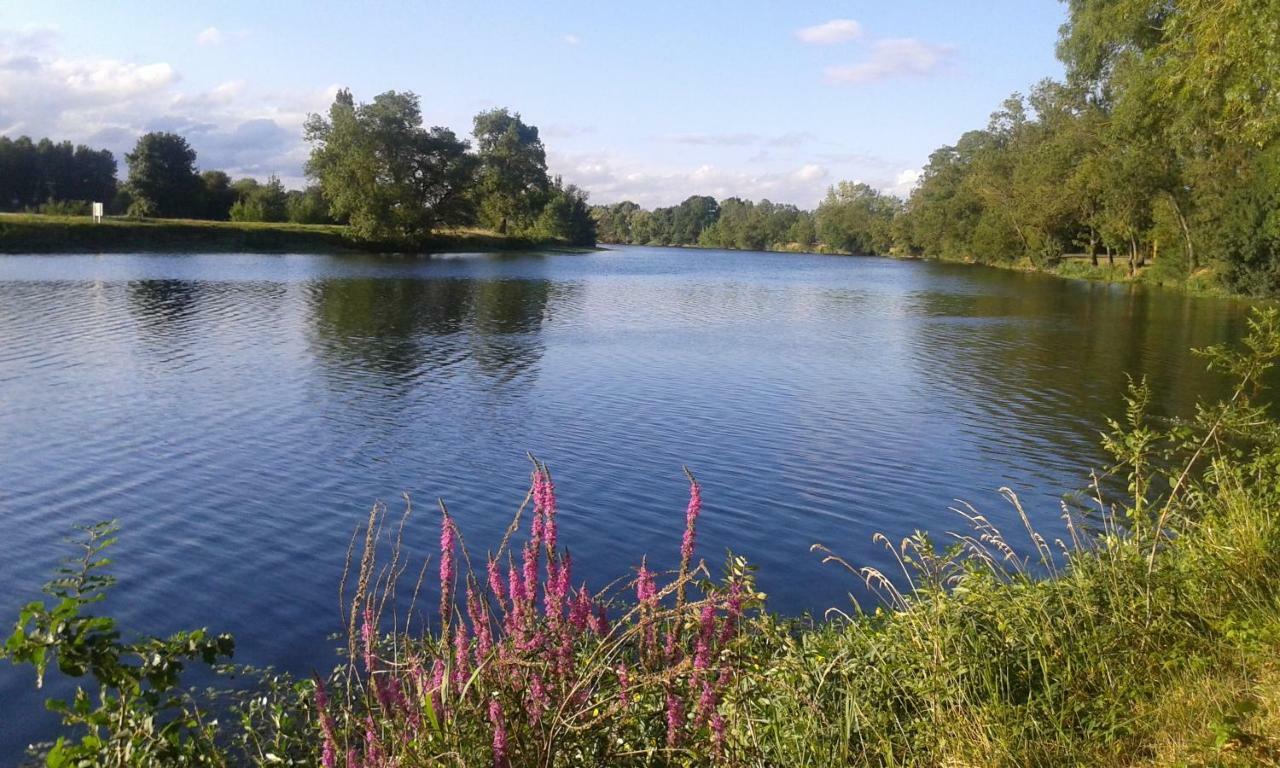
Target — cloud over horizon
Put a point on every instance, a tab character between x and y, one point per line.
831	32
893	58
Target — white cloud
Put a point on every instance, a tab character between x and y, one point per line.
109	103
905	182
897	57
810	172
571	39
210	36
831	32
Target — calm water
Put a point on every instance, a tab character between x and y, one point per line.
239	413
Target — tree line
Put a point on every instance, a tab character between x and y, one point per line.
374	167
1159	150
853	218
1160	147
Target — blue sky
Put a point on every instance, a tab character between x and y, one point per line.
651	102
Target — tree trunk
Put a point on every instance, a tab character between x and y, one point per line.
1111	257
1186	234
1133	256
1093	247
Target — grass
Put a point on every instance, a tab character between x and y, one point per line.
38	233
1148	636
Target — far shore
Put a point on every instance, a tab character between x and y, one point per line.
38	233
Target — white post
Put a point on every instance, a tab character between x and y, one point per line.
97	213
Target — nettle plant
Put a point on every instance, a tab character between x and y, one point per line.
134	713
528	669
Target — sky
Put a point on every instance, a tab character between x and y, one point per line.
650	102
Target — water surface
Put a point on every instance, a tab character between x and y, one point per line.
239	413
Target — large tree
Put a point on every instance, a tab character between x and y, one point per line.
385	173
163	178
513	180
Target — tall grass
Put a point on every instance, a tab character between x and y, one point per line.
1147	635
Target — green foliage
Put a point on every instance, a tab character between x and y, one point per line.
263	202
854	218
512	184
134	714
35	175
566	216
386	174
163	178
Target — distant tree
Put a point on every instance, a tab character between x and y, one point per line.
308	206
162	177
567	216
37	174
218	196
385	173
855	218
262	202
513	179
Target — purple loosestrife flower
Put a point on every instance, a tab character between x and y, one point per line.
600	623
690	523
645	589
329	758
580	611
372	747
437	687
515	617
531	574
733	613
546	503
353	760
447	545
499	734
706	704
539	700
706	633
675	715
495	583
461	657
479	624
717	732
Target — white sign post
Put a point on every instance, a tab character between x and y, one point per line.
97	213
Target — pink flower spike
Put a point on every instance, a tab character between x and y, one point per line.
691	522
675	716
499	734
580	613
447	545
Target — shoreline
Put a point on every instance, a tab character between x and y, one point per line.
22	233
1201	284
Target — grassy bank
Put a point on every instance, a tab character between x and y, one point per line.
1148	635
35	233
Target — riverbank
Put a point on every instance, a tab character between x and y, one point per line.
37	233
1202	283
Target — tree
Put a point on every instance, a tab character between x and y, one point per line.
854	218
264	202
513	179
567	216
386	174
162	176
218	195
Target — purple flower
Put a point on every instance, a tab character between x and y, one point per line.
447	543
690	524
461	657
495	583
600	623
675	714
717	732
580	611
706	632
499	734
